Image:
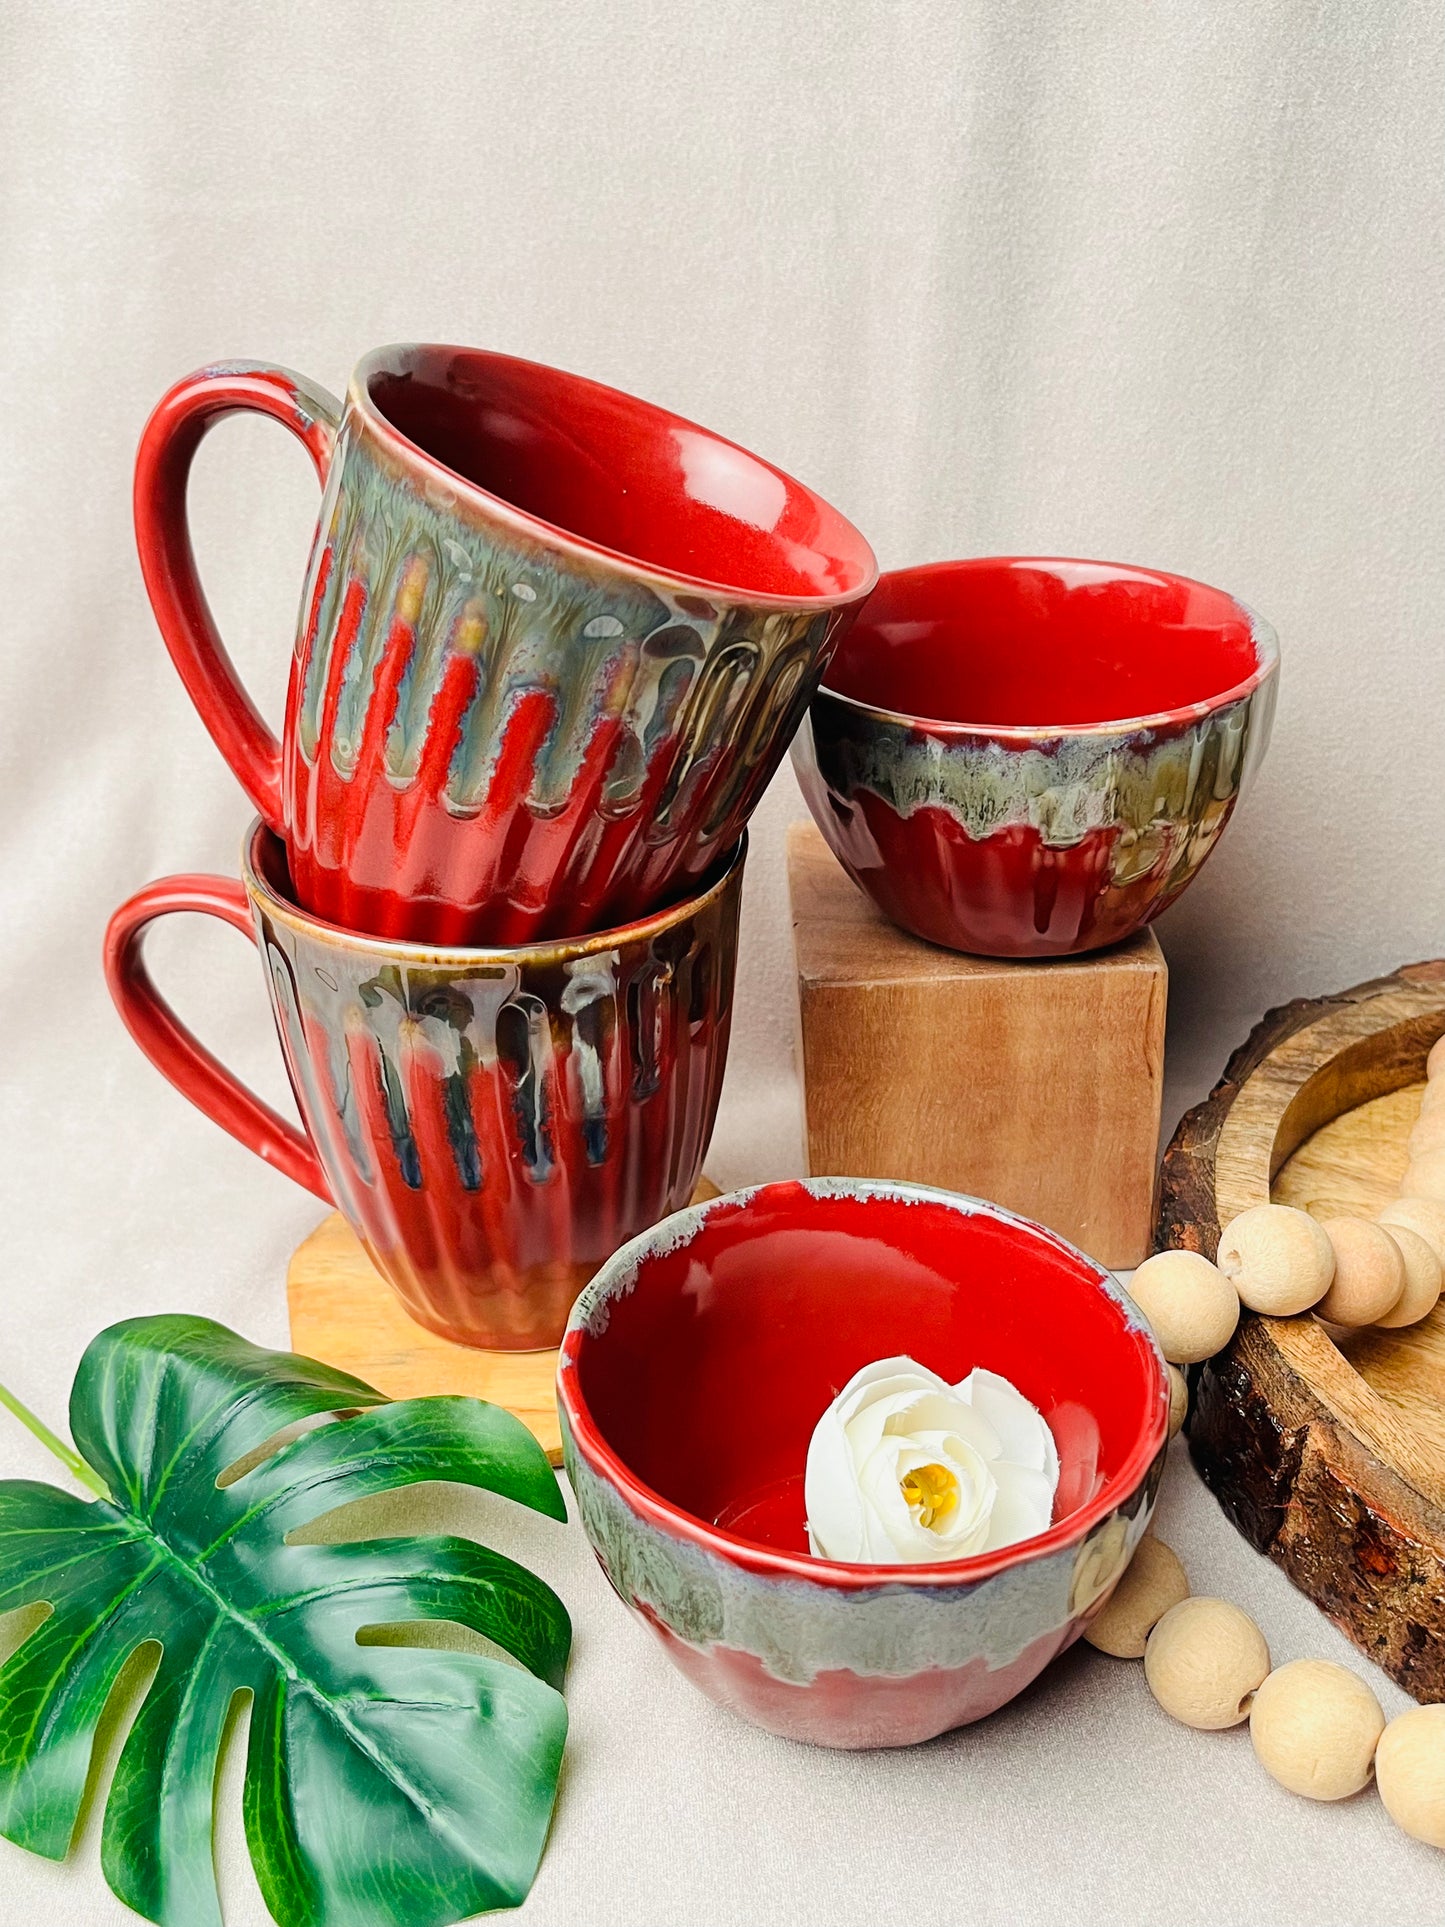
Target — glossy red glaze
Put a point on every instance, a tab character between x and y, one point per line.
174	1050
599	470
1031	757
694	1371
392	863
1009	894
493	1124
1042	643
178	425
714	1369
552	646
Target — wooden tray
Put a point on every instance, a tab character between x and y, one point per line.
1330	1457
344	1312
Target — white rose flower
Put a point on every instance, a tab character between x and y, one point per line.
906	1469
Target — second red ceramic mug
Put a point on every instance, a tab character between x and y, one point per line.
553	641
493	1124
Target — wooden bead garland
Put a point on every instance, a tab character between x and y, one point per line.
1369	1272
1423	1279
1153	1582
1178	1399
1204	1662
1191	1307
1278	1259
1315	1726
1410	1772
1426	1176
1421	1204
1423	1215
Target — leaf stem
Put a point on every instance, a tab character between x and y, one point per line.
68	1456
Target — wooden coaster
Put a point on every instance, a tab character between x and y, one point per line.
1327	1451
344	1313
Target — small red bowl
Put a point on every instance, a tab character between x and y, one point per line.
1026	756
694	1369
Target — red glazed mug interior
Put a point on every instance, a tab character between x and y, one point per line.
694	1370
492	1123
552	645
1032	756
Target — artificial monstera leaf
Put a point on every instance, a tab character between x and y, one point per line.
385	1784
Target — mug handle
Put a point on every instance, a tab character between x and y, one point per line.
179	1055
168	445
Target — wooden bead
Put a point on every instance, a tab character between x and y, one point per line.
1410	1772
1425	1177
1315	1726
1369	1272
1418	1214
1153	1582
1191	1306
1278	1259
1435	1062
1423	1279
1427	1133
1178	1399
1204	1662
1433	1096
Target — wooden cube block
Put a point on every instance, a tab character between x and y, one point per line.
1037	1085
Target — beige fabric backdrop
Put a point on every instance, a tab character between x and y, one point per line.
1154	282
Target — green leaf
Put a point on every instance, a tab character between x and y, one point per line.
386	1785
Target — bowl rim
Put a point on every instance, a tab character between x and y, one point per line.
679	1229
388	359
724	878
1262	634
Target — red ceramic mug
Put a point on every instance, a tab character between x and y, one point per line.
493	1124
552	644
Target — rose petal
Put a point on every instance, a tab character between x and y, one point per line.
834	1505
908	1373
1023	1508
1051	1455
866	1429
1023	1435
867	1410
937	1413
899	1367
890	1521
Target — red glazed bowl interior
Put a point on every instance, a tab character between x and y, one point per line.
699	1393
617	475
1040	642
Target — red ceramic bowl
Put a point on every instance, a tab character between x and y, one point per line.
1029	757
696	1365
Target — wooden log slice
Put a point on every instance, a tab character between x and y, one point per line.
1327	1453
